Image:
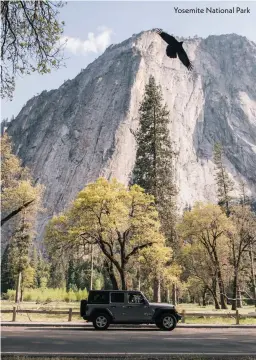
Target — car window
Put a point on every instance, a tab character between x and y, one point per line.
117	297
98	298
134	298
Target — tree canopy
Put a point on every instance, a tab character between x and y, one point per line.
30	34
120	221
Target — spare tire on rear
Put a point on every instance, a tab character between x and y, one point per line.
83	304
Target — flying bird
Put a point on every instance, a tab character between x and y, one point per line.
175	47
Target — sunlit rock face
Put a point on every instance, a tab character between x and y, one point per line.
71	136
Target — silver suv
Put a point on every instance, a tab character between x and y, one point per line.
107	307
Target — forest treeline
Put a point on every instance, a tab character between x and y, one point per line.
114	236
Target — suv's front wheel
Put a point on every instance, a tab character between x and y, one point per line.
101	321
167	322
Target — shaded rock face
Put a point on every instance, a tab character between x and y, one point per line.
71	136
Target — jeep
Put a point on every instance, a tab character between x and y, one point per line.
107	307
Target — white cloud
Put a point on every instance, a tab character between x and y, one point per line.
94	43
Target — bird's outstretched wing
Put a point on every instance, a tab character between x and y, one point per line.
166	37
184	59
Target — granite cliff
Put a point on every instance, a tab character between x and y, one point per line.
72	135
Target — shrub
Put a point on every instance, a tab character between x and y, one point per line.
48	295
10	295
27	297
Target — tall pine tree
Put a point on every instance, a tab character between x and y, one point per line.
7	273
224	184
154	169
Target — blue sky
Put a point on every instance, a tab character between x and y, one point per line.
91	26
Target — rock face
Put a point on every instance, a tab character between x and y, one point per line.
71	136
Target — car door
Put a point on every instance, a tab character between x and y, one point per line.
117	306
137	308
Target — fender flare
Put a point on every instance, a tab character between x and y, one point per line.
101	310
159	312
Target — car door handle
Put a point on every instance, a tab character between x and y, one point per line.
113	306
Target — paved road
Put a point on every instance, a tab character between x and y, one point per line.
130	341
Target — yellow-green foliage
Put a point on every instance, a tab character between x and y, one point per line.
120	220
17	187
49	294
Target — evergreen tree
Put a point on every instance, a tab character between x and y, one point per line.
57	273
42	270
34	264
154	159
7	276
21	243
71	275
244	199
224	184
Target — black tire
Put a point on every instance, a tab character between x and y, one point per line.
101	321
166	322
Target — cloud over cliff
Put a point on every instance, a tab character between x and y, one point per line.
95	43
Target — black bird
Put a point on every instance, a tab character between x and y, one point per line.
175	47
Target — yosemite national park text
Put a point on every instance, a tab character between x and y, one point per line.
211	10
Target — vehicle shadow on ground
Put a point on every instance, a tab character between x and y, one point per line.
91	329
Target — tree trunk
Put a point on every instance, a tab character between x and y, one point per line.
18	288
222	291
216	302
21	294
138	279
234	296
157	290
204	296
174	294
214	294
110	270
253	274
168	294
123	280
91	279
239	300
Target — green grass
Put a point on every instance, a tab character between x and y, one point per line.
48	294
41	318
196	308
32	305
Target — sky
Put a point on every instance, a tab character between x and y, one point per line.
91	26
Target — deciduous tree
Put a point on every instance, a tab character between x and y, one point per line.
120	221
208	225
30	34
241	240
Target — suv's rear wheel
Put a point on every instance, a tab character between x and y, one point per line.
101	321
167	322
